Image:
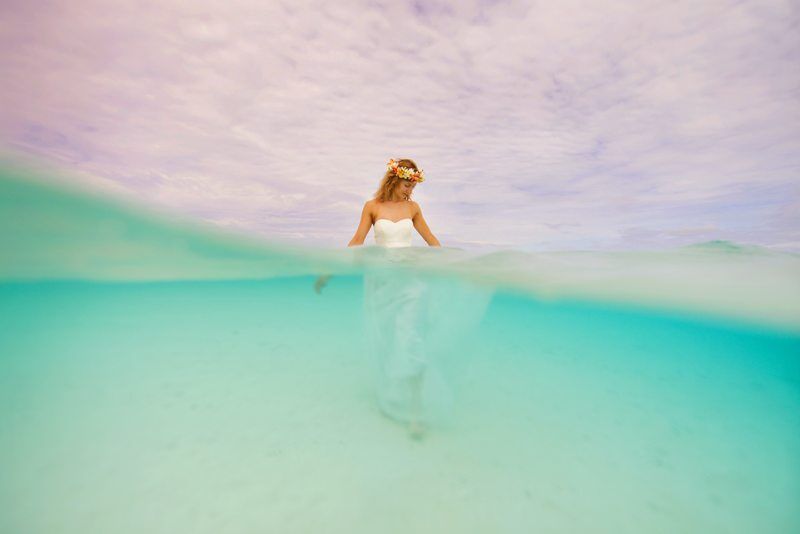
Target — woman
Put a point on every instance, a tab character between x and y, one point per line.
394	300
412	322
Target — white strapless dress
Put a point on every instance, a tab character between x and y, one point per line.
393	234
412	323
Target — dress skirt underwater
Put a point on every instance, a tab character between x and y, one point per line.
414	322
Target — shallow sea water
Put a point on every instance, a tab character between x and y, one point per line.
157	377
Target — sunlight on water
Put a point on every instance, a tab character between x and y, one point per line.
157	375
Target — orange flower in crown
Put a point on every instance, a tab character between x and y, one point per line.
405	173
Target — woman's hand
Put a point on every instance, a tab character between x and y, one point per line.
321	281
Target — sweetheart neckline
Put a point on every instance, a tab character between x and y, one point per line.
391	221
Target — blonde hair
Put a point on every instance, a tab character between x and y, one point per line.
390	181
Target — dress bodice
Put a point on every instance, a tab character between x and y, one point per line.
391	234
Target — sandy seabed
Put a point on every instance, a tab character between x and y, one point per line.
249	407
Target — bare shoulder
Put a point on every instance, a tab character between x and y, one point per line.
415	209
369	207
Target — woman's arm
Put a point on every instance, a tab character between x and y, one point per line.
422	228
358	239
363	225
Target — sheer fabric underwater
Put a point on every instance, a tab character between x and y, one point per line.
415	323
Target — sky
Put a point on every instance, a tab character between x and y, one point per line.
539	125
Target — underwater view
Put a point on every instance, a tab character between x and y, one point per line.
157	375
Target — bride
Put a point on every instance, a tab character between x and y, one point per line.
406	325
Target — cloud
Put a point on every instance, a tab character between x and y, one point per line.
607	124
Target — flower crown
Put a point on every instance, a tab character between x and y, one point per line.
405	173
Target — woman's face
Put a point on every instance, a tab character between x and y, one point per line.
405	189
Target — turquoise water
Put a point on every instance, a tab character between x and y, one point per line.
158	376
